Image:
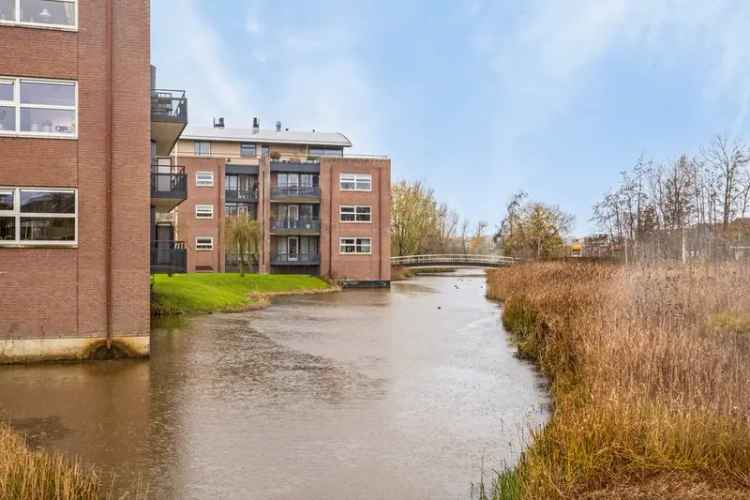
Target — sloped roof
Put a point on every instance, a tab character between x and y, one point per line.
265	136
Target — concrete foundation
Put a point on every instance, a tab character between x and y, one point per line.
72	349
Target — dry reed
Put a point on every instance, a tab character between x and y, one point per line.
650	376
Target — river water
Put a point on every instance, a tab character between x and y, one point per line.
367	394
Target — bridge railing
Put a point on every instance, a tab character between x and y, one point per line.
450	259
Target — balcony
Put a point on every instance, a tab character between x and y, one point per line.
235	196
295	226
291	193
169	117
168	186
300	259
168	257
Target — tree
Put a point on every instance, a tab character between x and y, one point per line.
533	229
243	235
729	165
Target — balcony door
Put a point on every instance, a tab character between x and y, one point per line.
292	215
292	243
164	237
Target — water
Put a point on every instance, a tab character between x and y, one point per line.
368	394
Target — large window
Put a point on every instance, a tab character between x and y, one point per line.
202	148
355	214
34	216
355	182
204	243
204	211
204	179
355	246
40	13
46	108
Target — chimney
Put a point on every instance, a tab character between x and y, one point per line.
278	126
219	122
256	125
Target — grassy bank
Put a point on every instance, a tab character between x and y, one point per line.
222	292
34	475
649	370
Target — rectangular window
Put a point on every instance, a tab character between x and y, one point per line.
355	182
265	150
38	216
204	179
202	148
248	150
355	214
40	13
204	243
34	107
326	152
204	211
355	246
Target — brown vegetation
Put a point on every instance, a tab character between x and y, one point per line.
650	377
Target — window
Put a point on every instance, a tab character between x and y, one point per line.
355	246
265	150
248	150
34	216
355	182
40	13
355	214
202	148
204	243
204	179
326	152
204	211
33	107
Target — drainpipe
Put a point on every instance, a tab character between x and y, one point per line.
108	176
330	218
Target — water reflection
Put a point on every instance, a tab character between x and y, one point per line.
364	394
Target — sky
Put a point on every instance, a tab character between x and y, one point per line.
478	99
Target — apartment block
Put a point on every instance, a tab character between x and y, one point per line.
322	212
77	137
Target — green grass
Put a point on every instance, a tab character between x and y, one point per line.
221	292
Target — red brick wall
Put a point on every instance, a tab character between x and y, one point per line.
62	292
188	227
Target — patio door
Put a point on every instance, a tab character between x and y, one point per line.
293	248
292	216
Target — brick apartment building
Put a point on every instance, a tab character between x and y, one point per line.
77	134
321	212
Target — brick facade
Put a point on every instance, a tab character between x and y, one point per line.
99	288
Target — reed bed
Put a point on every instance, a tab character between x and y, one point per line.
650	377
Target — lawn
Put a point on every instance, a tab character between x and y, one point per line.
222	292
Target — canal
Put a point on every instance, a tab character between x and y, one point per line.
369	394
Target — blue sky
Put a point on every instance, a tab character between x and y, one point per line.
478	98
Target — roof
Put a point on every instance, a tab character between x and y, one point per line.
265	136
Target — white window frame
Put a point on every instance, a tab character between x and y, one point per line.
195	148
356	242
355	211
64	27
17	214
18	106
206	246
207	181
204	207
362	182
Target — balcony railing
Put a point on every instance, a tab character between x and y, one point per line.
168	182
302	224
241	196
168	257
300	259
294	191
168	106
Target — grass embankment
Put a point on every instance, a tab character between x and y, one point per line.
36	475
650	377
223	292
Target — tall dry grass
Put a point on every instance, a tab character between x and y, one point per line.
650	374
37	475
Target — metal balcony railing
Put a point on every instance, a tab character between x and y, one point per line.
294	191
233	195
168	257
303	223
285	259
168	181
168	106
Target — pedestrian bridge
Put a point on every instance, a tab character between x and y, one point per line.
452	260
